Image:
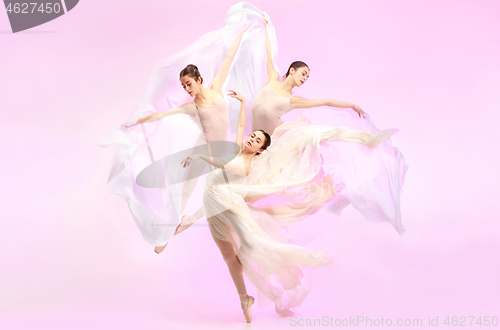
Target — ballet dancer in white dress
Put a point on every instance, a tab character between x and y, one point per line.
249	238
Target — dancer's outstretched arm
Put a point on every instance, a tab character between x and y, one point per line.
272	75
231	53
233	168
242	118
299	102
186	109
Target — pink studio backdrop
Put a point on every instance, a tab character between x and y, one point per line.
71	256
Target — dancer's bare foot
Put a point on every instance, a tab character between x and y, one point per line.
246	304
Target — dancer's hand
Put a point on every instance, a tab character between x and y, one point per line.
264	20
358	109
186	161
139	121
130	125
236	95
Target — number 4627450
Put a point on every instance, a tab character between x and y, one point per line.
24	8
461	321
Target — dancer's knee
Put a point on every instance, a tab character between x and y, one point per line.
229	257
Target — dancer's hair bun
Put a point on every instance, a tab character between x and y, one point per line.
296	65
191	70
267	143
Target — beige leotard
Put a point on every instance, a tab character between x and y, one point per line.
267	109
214	120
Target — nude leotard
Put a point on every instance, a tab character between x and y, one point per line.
214	120
267	109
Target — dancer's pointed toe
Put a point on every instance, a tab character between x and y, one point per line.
186	222
159	249
246	304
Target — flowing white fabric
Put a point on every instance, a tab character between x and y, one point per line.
291	171
373	179
144	171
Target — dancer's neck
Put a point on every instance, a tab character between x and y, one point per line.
288	84
246	154
203	96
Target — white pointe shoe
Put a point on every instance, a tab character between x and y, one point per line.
246	305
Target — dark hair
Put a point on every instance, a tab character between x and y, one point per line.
191	70
296	65
267	143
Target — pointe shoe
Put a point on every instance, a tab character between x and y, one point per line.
180	228
159	249
247	309
185	224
